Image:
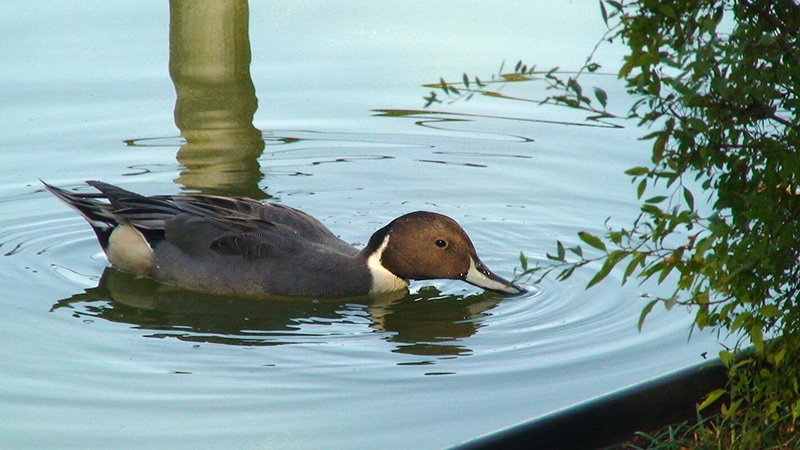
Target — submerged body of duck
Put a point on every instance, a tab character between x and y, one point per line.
242	246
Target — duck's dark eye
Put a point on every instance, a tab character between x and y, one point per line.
441	243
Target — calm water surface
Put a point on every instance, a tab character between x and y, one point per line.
161	99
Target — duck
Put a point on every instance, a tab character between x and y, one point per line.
234	245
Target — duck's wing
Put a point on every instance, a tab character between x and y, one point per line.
252	239
226	225
241	214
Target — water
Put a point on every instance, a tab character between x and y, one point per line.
94	359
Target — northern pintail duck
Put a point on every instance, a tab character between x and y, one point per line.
242	246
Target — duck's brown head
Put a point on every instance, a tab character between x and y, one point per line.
425	245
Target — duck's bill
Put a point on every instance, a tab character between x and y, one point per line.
481	276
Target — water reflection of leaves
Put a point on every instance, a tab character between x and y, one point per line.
424	323
431	118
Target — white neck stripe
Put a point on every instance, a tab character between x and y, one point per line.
382	279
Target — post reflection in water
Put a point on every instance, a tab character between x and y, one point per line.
216	99
427	323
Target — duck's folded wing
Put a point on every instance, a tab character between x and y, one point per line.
252	245
251	239
228	209
211	225
226	213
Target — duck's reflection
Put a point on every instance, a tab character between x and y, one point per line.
425	323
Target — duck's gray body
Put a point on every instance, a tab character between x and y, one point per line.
258	260
241	246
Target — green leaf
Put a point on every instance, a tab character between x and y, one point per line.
645	311
577	250
523	261
636	261
658	147
665	272
611	261
640	189
566	273
687	195
600	94
731	410
652	210
466	81
740	320
666	10
603	13
600	275
779	357
697	124
573	85
649	136
656	199
726	357
769	311
592	240
757	337
560	250
711	398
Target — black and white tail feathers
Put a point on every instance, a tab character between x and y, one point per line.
114	206
146	214
99	214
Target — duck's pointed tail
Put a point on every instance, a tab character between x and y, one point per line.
99	214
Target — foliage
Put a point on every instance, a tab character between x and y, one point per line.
571	95
707	434
716	84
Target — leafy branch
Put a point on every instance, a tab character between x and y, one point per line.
716	84
569	93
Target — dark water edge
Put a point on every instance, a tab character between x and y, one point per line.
614	417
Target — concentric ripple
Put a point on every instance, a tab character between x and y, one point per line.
446	347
